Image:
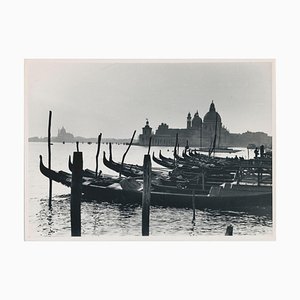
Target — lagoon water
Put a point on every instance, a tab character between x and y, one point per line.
104	220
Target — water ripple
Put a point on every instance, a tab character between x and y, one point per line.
101	219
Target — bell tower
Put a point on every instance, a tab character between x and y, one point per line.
146	134
147	130
189	121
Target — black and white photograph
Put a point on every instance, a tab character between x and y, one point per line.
149	149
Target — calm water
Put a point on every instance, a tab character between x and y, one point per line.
103	219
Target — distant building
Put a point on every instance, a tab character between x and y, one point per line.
64	136
145	136
200	133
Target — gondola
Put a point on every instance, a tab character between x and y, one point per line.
66	178
203	162
213	176
86	172
258	199
132	171
128	170
170	164
180	163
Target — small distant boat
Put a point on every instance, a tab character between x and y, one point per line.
89	143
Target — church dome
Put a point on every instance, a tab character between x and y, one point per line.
212	115
197	121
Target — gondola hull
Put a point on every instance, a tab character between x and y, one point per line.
113	193
181	200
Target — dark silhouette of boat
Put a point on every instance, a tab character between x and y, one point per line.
256	199
128	170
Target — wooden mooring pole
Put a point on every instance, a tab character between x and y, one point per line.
146	195
123	158
76	189
77	146
193	202
49	157
98	150
186	147
203	180
258	176
175	148
149	146
110	152
229	230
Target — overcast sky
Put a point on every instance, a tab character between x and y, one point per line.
89	97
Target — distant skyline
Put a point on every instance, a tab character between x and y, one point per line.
89	96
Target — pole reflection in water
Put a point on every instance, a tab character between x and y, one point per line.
127	210
104	219
50	221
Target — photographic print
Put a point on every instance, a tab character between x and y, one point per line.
149	149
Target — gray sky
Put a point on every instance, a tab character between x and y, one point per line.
89	97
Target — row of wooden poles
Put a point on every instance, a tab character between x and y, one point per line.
76	185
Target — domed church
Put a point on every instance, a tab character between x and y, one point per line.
212	125
212	116
196	133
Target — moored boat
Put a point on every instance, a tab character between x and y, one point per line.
234	199
128	170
